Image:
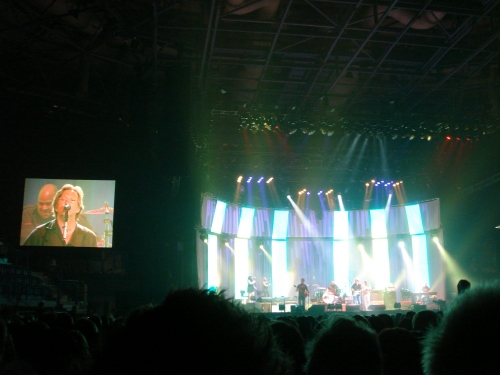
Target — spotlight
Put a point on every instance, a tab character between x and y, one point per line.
203	235
269	180
226	242
239	179
260	180
249	179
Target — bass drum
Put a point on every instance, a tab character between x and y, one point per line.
328	298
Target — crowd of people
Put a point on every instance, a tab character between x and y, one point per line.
201	331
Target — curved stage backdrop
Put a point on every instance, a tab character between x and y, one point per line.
398	245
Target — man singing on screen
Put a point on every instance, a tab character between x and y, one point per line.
64	229
40	213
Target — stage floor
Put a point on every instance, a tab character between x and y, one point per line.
315	309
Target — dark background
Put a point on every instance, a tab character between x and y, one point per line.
142	150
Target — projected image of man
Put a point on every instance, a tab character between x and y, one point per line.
40	213
64	230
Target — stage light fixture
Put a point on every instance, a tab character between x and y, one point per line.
203	235
260	180
249	179
269	180
239	179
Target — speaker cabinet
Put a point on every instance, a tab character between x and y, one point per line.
317	309
416	307
376	307
351	308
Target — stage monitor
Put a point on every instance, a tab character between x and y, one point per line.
68	213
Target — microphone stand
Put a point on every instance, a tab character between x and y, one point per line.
65	227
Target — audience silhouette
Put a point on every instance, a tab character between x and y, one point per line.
202	331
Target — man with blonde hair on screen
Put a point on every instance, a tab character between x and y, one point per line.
64	230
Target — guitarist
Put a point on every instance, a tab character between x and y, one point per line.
303	293
251	288
365	292
356	292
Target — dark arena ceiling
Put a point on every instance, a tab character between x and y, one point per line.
361	84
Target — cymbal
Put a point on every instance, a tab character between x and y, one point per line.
100	211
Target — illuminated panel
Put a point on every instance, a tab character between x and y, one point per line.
213	274
246	222
280	284
414	219
340	261
240	266
340	225
382	276
220	212
341	246
378	226
420	261
280	225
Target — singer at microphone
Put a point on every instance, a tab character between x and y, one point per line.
64	230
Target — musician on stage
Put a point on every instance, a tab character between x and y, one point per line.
365	295
356	292
334	289
425	289
303	293
251	288
265	287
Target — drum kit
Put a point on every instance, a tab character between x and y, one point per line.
108	223
324	295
